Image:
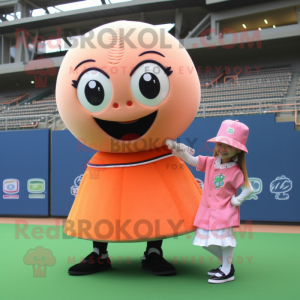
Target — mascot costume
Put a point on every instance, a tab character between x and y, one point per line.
123	93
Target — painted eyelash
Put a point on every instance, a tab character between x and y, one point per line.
168	70
75	83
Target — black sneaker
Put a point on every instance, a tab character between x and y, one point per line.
157	265
223	278
214	271
91	264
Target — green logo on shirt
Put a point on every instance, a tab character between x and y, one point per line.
230	130
218	181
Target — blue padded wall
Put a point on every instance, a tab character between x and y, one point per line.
69	158
24	171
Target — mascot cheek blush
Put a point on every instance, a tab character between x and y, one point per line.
124	94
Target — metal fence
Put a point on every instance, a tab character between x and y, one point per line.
29	122
281	106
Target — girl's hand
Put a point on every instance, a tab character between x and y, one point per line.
238	200
171	144
235	202
179	148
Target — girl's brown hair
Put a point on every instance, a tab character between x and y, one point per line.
241	162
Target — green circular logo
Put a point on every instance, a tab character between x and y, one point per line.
230	130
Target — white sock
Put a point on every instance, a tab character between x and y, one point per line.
96	250
152	250
215	250
227	255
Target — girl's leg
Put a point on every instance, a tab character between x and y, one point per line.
215	250
227	256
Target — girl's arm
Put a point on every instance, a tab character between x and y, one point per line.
182	150
237	201
192	160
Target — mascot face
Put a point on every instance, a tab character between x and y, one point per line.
129	89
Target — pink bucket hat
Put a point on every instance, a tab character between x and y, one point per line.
232	133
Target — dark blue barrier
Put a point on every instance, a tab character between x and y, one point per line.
272	163
24	169
69	158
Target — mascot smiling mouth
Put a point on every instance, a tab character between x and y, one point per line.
127	131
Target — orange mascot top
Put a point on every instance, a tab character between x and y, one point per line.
123	91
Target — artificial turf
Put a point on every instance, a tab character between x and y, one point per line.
266	264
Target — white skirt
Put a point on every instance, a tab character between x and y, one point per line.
220	237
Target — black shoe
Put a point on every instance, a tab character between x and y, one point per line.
223	278
214	271
157	265
91	264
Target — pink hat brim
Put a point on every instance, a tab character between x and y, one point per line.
229	141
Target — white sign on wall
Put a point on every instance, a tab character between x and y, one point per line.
257	187
280	186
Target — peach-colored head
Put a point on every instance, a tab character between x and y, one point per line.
129	89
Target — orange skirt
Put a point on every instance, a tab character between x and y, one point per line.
134	197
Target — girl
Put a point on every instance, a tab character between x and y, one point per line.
218	212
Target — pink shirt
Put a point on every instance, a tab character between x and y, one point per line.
215	210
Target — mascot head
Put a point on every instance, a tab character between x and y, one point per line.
127	87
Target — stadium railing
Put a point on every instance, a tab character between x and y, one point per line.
29	122
257	106
9	100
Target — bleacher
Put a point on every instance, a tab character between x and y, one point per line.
15	117
8	99
298	88
14	124
244	94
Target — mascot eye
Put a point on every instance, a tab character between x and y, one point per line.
94	90
149	84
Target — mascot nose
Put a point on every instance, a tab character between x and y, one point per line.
116	105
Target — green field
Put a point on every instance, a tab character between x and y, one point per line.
267	267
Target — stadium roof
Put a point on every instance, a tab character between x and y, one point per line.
39	3
214	5
107	11
159	12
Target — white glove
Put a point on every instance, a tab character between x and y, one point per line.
237	201
183	152
171	144
179	147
